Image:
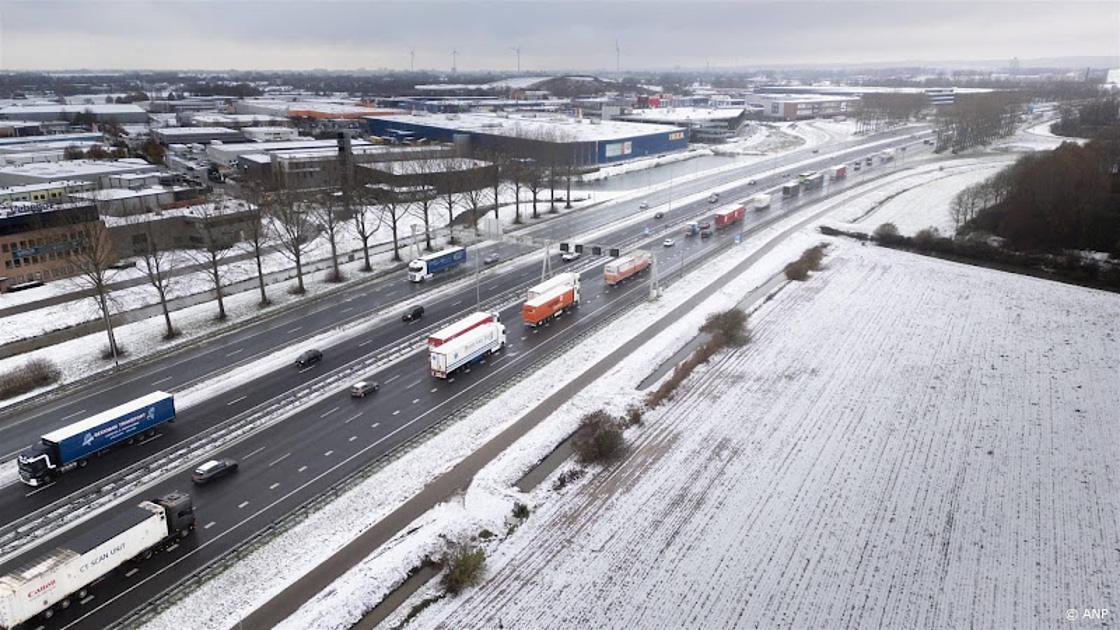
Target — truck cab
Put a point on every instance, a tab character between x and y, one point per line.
37	464
692	228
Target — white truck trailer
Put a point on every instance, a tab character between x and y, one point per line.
40	586
469	347
761	201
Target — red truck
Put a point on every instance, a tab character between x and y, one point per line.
551	298
622	268
730	215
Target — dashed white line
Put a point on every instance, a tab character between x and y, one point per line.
523	337
365	343
396	412
415	400
236	400
328	453
352	438
274	486
413	384
352	418
133	571
237	351
173	547
297	328
375	425
208	525
252	453
347	309
325	414
392	378
89	598
40	489
457	303
302	468
76	413
242	504
280	459
162	380
434	389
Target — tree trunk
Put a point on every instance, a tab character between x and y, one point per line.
218	288
365	253
166	315
299	272
396	247
516	202
568	195
260	275
427	232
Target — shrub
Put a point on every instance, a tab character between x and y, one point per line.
633	415
465	563
485	534
797	270
520	511
34	374
810	260
567	477
886	233
598	438
727	328
927	237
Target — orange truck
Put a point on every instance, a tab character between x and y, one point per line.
622	268
550	299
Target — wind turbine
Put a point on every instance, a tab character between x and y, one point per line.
454	60
617	58
517	49
412	60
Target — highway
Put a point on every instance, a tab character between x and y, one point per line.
320	444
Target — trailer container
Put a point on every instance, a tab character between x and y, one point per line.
550	299
451	331
729	215
626	266
43	585
791	189
839	171
692	228
814	182
467	348
761	201
67	448
429	265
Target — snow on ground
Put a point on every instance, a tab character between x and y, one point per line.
942	463
240	589
642	164
922	198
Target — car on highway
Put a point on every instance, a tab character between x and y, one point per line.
361	388
705	233
644	205
309	357
705	225
659	215
668	242
751	182
491	258
714	197
413	314
569	256
213	469
816	150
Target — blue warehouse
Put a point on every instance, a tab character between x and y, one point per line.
549	138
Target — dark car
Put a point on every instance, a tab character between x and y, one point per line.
705	225
705	233
309	357
659	215
413	314
491	258
361	388
212	470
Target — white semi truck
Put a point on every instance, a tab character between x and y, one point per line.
38	587
467	348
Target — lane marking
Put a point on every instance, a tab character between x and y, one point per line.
457	303
242	504
236	400
410	385
154	437
375	425
352	418
396	412
208	525
347	309
392	378
253	453
131	572
173	547
365	343
89	598
237	351
434	389
162	380
302	468
415	400
352	438
79	412
297	328
38	490
324	415
282	458
327	454
274	486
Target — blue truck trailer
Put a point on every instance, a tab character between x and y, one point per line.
428	265
71	446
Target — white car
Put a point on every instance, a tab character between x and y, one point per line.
668	242
569	256
644	205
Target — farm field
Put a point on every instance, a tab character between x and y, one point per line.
905	443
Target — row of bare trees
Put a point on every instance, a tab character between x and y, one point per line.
977	119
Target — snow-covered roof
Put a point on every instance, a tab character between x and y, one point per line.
113	194
54	137
399	167
171	132
552	127
74	168
104	108
24	188
201	210
684	114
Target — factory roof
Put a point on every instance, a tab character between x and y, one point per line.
683	114
77	168
193	131
104	108
15	190
550	127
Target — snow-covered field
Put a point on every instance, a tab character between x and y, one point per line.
905	443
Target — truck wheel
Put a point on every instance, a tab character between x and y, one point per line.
48	613
148	554
82	463
64	604
82	592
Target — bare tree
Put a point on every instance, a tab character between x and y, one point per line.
392	211
514	174
157	260
92	255
534	181
420	176
330	212
289	222
216	245
257	236
474	192
450	191
367	220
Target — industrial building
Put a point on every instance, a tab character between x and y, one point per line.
579	141
704	124
316	110
436	175
311	168
87	170
938	96
46	192
196	135
801	106
182	228
39	242
117	113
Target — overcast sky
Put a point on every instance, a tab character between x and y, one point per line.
307	34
